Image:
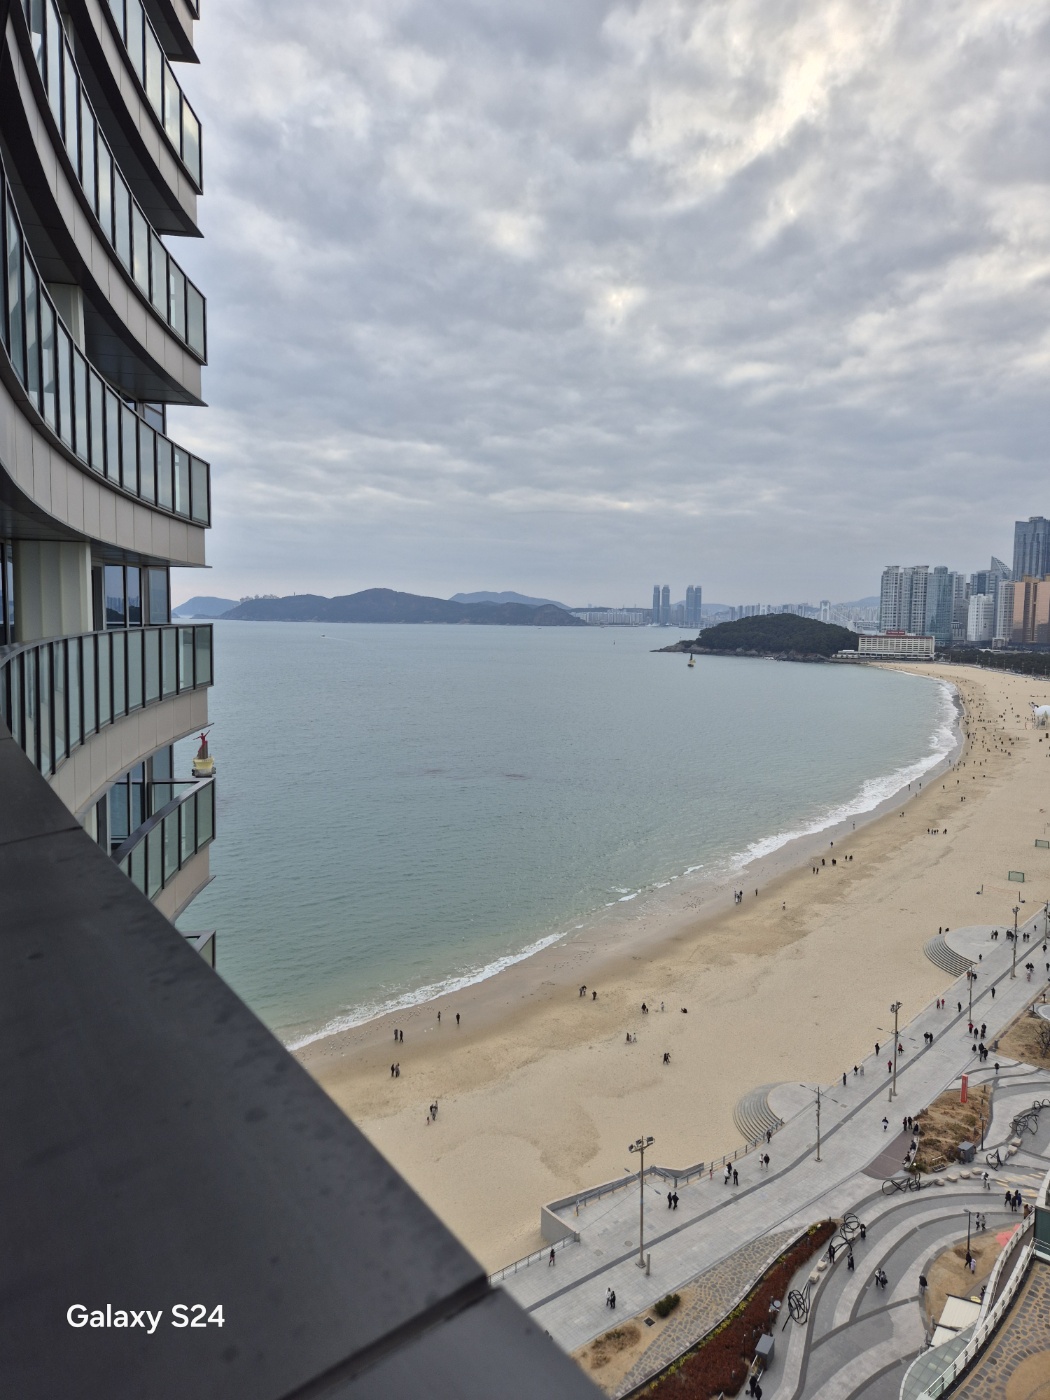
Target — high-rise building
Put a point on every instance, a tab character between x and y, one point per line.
902	599
665	606
960	604
980	618
101	331
692	605
1031	547
1023	617
656	604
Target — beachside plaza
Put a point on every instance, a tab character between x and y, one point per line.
856	1337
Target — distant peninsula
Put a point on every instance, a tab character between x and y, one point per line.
386	605
784	636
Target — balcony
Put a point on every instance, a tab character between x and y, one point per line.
155	852
74	405
117	213
145	55
55	695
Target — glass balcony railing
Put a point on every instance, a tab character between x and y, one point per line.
55	695
159	84
157	850
124	226
73	399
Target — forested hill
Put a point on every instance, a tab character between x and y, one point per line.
777	634
386	605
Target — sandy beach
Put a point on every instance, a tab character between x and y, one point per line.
539	1091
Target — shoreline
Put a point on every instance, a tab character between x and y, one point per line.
712	890
537	1087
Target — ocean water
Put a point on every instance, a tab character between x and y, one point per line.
405	809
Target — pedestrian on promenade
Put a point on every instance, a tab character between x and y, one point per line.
863	1231
889	1066
882	1278
1017	1200
550	1259
844	1079
728	1176
765	1161
973	1265
769	1136
850	1265
923	1285
885	1124
668	1200
1008	1200
736	1179
876	1049
831	1252
993	993
674	1201
608	1295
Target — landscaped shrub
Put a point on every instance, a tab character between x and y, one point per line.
719	1362
667	1305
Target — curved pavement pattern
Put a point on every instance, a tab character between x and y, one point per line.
949	961
753	1115
715	1221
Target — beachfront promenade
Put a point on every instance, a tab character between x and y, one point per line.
715	1223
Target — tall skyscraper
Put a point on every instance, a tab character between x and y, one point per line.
665	606
980	618
1031	548
692	605
656	604
902	599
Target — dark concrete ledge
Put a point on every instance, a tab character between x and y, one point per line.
161	1147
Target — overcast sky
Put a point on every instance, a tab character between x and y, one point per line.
572	297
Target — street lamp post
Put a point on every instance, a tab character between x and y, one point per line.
966	1208
1013	965
639	1146
971	977
895	1008
806	1086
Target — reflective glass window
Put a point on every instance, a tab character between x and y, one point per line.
129	471
154	854
105	694
15	304
133	31
80	404
159	612
189	829
168	669
87	675
44	682
73	685
54	63
147	471
164	485
88	141
140	249
151	648
194	320
205	814
191	143
112	436
98	423
121	219
116	597
137	866
172	103
32	319
71	93
171	844
185	635
134	588
105	189
182	481
133	641
58	696
118	642
117	6
63	345
199	478
177	300
35	16
203	655
29	691
119	825
158	275
153	62
14	719
48	381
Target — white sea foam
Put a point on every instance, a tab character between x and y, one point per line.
372	1010
872	793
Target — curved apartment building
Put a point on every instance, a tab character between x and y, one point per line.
101	329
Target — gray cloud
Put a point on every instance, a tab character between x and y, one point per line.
569	298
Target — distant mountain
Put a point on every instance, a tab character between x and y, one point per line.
872	602
204	607
507	598
385	605
777	634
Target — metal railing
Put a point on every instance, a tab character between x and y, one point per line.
157	850
537	1254
119	215
56	694
73	400
159	85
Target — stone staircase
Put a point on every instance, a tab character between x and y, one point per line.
753	1115
947	959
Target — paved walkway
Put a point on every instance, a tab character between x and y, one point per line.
1017	1364
715	1221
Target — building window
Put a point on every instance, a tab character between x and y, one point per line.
116	596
